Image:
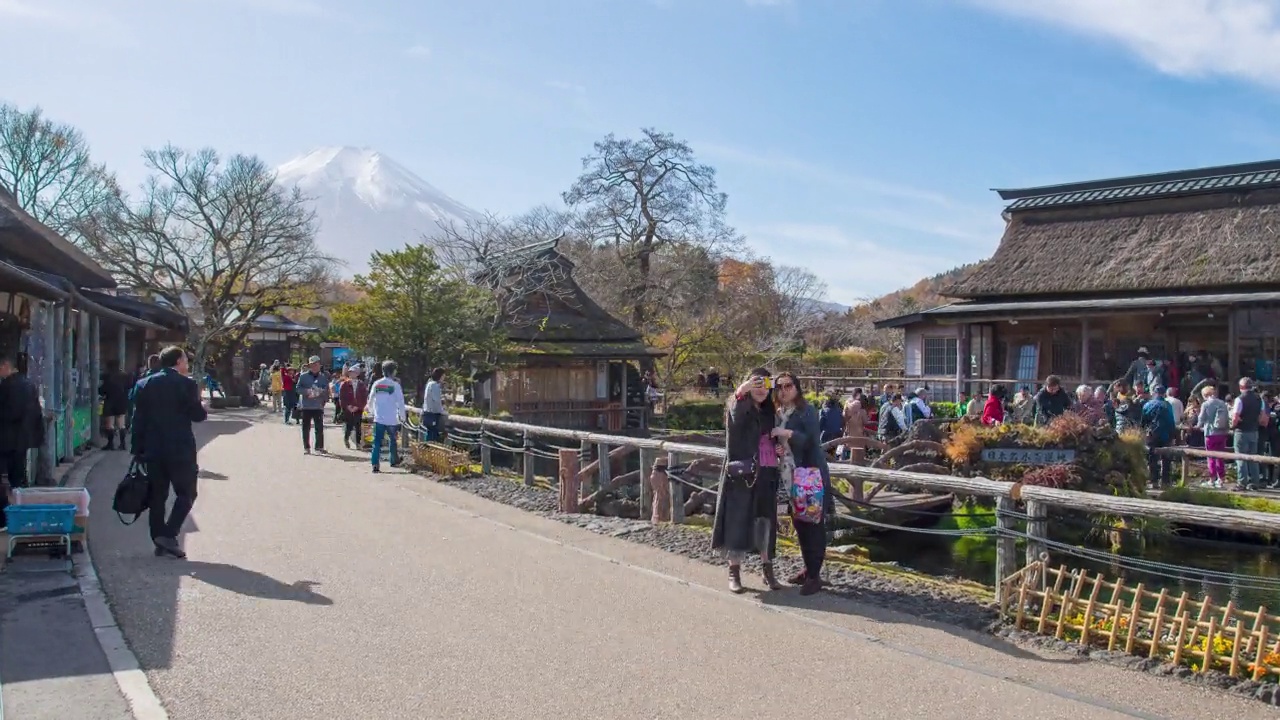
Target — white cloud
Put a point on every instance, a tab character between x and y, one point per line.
853	267
890	204
567	87
1184	38
80	18
23	10
296	8
418	51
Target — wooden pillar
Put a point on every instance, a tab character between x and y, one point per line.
95	371
647	468
68	390
964	367
1037	529
527	463
661	489
677	491
569	490
122	347
1233	351
1084	350
49	380
1006	545
486	456
585	455
605	467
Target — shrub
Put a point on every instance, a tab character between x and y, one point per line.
965	445
695	415
1105	462
945	409
1052	476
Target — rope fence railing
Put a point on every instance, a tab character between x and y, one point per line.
593	457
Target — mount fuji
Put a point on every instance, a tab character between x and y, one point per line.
365	201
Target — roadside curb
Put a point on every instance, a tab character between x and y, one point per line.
126	669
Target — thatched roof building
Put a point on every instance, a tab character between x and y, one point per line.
549	313
572	364
1184	264
1217	228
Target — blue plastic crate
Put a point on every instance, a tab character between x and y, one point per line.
40	519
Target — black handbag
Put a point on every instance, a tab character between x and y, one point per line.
133	494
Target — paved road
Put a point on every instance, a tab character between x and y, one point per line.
319	590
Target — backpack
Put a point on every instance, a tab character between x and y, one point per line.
133	494
1222	418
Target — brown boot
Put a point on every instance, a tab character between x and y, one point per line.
766	571
798	578
811	586
735	579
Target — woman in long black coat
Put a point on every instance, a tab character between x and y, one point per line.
746	519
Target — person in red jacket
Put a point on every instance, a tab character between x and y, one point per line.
993	410
289	384
353	395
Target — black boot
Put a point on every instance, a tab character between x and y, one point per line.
111	440
735	579
123	443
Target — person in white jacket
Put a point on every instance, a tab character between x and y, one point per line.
386	400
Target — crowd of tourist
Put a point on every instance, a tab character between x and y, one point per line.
1147	399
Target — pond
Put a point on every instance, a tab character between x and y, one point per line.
974	558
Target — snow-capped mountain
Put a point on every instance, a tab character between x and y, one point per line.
365	201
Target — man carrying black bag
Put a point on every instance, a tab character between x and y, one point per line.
165	406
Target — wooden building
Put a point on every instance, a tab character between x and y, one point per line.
571	363
56	310
1181	263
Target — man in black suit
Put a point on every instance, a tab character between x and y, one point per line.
165	406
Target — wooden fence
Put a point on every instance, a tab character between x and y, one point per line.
658	454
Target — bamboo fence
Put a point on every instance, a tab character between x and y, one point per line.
440	459
1074	606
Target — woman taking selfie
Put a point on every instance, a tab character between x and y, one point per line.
799	455
746	507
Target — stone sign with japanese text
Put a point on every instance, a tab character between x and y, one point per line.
1029	456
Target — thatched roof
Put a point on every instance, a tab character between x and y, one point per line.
550	314
1221	241
28	242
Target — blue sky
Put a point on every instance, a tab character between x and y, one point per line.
858	138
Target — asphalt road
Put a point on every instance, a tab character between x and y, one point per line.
316	589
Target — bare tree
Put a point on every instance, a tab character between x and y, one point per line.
46	165
641	197
509	255
221	242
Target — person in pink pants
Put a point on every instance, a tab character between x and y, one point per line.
1215	420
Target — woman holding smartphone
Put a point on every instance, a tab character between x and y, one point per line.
746	508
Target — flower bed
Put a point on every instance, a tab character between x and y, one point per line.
1103	461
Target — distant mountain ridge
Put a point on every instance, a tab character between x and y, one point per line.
925	294
365	201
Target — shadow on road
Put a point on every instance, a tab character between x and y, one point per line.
869	604
249	583
143	589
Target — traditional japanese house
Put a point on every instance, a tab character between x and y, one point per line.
1184	264
274	337
571	364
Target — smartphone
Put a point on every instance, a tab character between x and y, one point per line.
767	383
